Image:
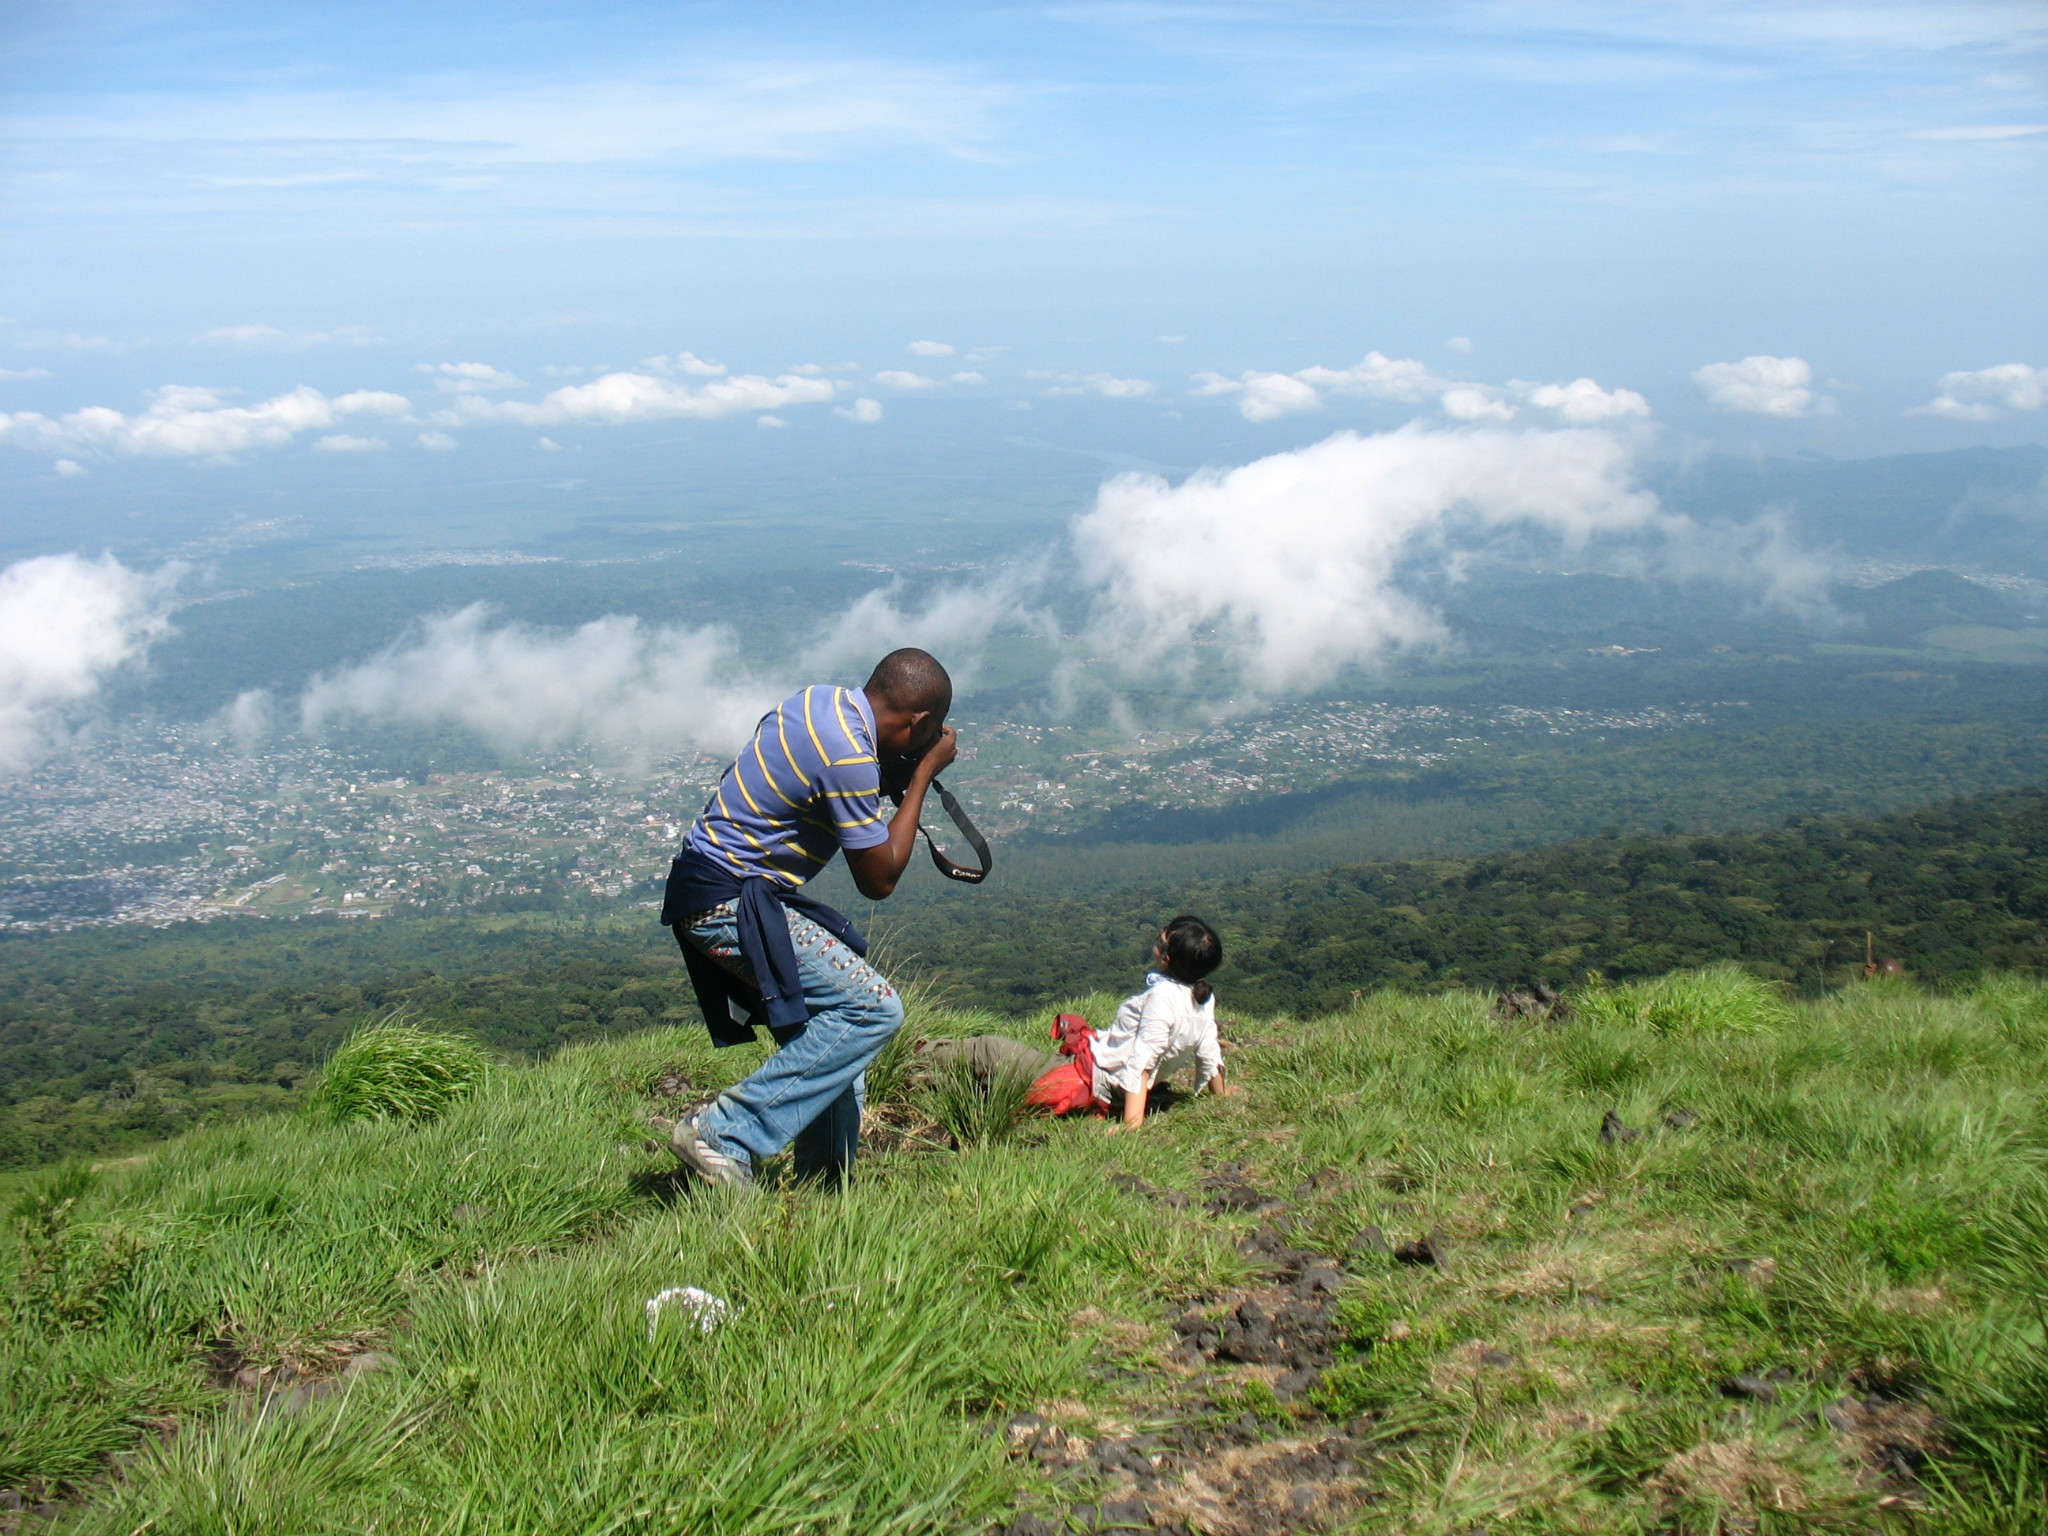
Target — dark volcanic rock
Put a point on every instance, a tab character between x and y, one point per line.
1613	1132
1430	1248
1751	1388
1371	1243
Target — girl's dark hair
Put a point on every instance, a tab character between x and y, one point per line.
1192	952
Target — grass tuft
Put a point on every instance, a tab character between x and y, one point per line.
392	1069
1717	1000
976	1113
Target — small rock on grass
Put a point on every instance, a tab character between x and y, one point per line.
1371	1243
1613	1132
1319	1278
1430	1248
1681	1120
1290	1385
1753	1389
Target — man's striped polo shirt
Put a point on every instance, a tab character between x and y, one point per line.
807	785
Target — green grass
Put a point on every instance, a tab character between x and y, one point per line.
391	1068
1886	1152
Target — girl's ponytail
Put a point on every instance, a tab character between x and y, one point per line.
1192	952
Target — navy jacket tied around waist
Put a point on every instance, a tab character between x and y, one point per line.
731	1006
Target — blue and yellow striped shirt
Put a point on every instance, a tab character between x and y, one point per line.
807	785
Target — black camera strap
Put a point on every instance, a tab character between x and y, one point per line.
968	830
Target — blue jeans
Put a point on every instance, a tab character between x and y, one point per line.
810	1092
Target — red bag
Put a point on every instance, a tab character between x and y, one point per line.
1069	1088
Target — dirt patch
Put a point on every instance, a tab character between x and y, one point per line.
1219	1479
1738	1479
1894	1440
301	1377
1219	1474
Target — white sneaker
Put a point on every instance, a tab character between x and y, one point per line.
704	1160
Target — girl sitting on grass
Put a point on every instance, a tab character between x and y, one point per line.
1170	1025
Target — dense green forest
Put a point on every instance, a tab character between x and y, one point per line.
111	1038
1948	890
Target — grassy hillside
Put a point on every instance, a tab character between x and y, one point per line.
1794	1288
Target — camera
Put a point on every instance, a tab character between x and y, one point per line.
897	767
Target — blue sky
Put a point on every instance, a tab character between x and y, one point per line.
1079	198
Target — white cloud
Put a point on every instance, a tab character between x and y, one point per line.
648	689
341	442
866	412
1460	343
9	375
1583	402
931	349
687	363
1262	396
657	112
1984	132
70	469
1293	560
897	378
66	624
954	624
1268	396
250	718
1379	377
1476	402
629	397
1107	385
549	444
770	421
968	376
182	421
440	442
1763	386
269	336
1981	394
1169	341
458	378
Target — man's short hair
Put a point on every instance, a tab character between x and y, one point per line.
912	679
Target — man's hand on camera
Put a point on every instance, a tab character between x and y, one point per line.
941	754
876	870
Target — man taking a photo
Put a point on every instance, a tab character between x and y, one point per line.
760	951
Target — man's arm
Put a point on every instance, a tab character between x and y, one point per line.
876	870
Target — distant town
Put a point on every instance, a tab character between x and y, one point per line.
176	823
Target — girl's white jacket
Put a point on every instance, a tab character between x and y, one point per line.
1158	1032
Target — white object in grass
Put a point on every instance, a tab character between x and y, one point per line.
706	1310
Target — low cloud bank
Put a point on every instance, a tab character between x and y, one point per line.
185	422
1265	396
1763	386
627	397
66	625
1294	561
1985	394
1281	574
642	688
